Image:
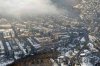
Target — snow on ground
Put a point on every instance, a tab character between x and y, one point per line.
8	45
91	47
6	62
19	44
33	44
1	45
86	62
53	62
83	39
92	38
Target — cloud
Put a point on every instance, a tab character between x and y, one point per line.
19	7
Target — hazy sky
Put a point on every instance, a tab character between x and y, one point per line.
33	7
17	7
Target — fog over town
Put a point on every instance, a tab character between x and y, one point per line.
49	33
34	7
